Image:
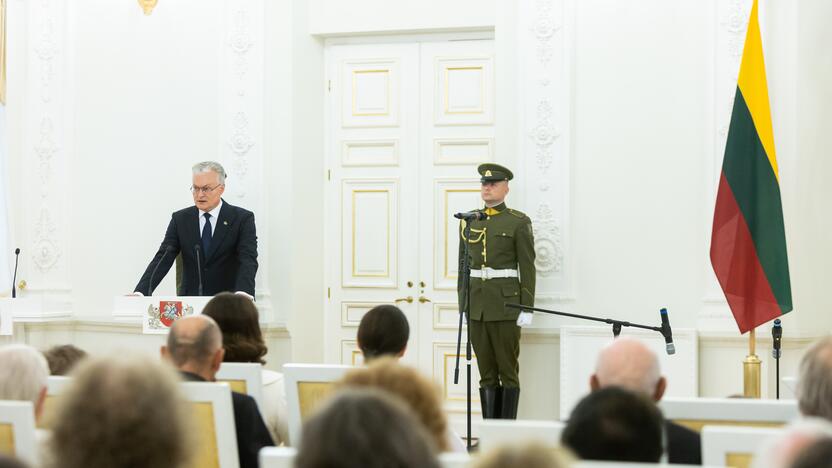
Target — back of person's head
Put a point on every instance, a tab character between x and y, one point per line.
817	454
63	358
23	374
195	345
528	455
615	424
783	450
814	385
239	322
383	331
366	428
407	383
126	411
629	363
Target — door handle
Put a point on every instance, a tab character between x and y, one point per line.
408	299
423	299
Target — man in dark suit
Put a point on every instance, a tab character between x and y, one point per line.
629	364
194	346
215	239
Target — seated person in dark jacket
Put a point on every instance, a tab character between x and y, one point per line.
628	363
195	348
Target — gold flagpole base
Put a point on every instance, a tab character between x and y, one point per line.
751	376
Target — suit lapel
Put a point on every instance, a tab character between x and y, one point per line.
224	222
191	230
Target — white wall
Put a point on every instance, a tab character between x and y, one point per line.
331	17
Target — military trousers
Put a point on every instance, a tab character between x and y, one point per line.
497	347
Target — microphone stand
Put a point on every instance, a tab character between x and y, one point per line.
616	324
465	271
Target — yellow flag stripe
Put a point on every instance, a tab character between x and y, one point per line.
754	88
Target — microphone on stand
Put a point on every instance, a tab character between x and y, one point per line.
667	332
777	338
475	215
14	278
198	251
150	287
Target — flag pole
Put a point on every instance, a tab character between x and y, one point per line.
751	368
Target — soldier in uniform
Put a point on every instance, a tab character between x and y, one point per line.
501	254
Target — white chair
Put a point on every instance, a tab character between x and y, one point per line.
733	446
243	377
698	412
17	430
454	460
495	432
55	386
277	457
307	385
214	422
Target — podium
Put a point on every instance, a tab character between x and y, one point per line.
156	313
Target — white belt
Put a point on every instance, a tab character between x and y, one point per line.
489	273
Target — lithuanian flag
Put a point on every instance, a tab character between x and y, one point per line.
748	242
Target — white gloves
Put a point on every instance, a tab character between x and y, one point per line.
524	319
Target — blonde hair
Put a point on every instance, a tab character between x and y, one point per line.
527	455
420	394
126	411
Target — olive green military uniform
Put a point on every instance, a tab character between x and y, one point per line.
501	253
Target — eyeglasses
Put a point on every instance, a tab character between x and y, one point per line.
206	189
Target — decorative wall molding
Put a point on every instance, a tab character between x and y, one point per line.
545	59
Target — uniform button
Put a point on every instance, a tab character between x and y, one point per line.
488	217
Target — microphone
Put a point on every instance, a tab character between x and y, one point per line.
198	250
14	278
150	287
667	332
777	338
475	215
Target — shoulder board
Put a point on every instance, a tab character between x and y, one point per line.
519	214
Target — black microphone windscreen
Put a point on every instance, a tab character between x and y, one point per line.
17	251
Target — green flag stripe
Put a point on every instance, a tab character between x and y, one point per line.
755	187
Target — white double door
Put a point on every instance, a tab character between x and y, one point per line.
407	125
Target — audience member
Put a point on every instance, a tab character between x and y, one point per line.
818	454
23	375
814	385
617	425
383	331
125	412
628	363
242	340
195	347
365	428
528	455
419	393
784	450
62	359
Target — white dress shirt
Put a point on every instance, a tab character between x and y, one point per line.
215	213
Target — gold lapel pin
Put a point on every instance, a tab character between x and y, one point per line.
225	222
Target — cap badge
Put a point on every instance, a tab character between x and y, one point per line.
488	173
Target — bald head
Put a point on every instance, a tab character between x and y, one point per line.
193	345
628	363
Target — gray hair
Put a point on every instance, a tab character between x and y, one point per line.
210	166
23	373
814	386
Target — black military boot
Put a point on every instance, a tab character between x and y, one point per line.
490	398
508	410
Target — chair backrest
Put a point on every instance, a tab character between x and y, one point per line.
17	430
55	386
733	446
454	460
243	377
213	415
495	432
277	457
307	385
698	412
